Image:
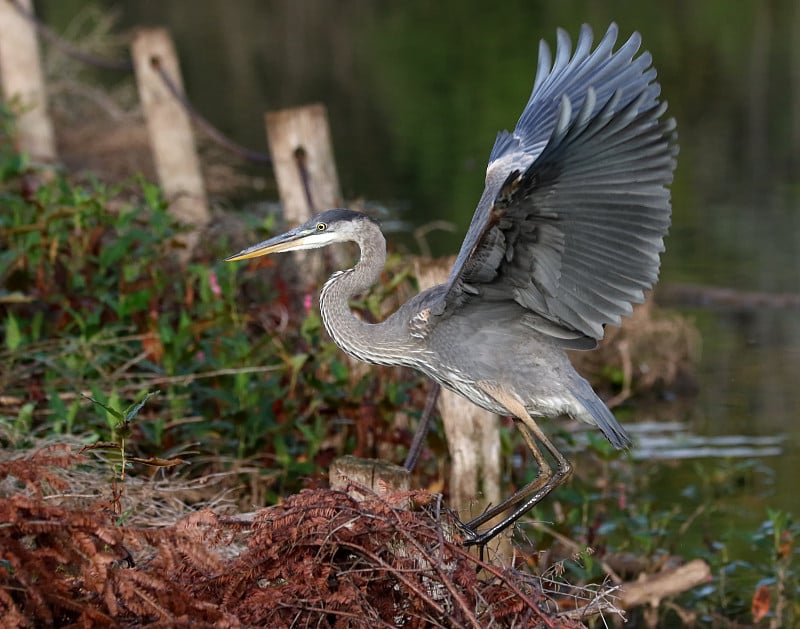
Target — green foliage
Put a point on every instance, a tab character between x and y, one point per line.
120	424
94	305
97	315
614	508
772	563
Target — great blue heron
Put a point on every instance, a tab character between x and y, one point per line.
566	236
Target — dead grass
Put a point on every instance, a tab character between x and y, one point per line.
320	558
654	350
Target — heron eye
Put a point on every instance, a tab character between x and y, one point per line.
321	227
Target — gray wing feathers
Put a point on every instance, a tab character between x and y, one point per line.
572	220
605	70
606	198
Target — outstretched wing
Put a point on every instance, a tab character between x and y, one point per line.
575	209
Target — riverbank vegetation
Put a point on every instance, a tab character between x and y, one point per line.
146	404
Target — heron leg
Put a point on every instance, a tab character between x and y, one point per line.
542	478
423	428
525	498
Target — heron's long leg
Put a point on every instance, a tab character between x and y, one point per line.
524	499
423	428
543	476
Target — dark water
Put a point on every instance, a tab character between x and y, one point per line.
417	90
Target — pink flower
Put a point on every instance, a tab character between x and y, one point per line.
214	284
307	302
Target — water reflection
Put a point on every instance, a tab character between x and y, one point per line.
673	441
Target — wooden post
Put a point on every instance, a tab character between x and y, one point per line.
305	170
380	476
350	473
21	74
473	434
170	132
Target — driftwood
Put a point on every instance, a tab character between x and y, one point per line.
725	298
652	589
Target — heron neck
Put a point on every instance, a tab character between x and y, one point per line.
377	343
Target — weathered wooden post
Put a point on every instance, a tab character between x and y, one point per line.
22	80
305	170
473	434
170	132
353	473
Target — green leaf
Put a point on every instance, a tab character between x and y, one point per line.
13	334
14	166
311	325
36	325
297	361
133	302
111	411
339	371
152	195
134	409
25	418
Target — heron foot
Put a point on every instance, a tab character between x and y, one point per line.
473	538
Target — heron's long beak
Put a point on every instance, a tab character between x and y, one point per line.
291	240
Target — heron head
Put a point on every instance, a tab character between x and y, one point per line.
323	229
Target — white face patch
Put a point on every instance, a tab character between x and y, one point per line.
313	241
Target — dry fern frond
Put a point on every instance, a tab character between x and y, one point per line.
321	558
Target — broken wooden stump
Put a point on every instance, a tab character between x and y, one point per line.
362	477
473	436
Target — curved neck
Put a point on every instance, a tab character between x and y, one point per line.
378	343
